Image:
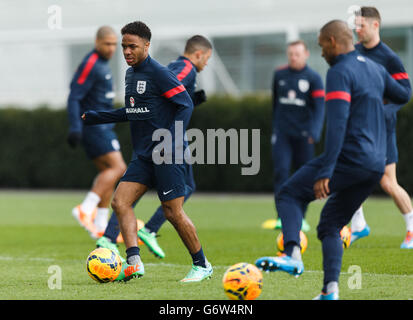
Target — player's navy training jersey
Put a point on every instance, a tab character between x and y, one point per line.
385	56
356	129
90	89
298	102
154	99
185	72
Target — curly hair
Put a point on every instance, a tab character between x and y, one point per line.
137	28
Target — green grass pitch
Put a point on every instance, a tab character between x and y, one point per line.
38	233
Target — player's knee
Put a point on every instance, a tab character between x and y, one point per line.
167	209
172	213
388	186
120	168
324	230
284	194
117	205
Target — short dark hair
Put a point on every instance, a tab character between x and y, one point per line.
104	31
137	28
297	42
370	12
197	42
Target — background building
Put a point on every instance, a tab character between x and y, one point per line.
43	41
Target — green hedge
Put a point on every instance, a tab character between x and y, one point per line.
34	152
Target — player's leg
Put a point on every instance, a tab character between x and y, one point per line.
176	216
99	143
293	196
282	157
201	268
111	167
172	188
390	185
359	226
137	179
126	194
349	190
110	237
303	152
402	200
149	232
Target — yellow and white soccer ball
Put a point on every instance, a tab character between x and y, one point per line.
303	242
242	281
103	265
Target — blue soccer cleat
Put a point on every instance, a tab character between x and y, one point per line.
360	234
327	296
408	241
284	263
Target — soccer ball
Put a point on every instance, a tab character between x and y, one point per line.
345	235
303	242
103	265
242	281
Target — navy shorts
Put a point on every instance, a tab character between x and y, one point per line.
168	179
97	141
392	155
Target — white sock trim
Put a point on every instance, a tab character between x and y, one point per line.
408	217
101	219
358	222
90	203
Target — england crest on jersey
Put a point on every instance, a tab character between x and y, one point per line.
303	85
141	87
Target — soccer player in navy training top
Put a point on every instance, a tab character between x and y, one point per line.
91	89
196	54
370	45
353	160
154	99
298	115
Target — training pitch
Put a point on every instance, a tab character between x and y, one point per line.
43	251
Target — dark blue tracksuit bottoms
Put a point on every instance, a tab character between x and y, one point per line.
289	152
349	188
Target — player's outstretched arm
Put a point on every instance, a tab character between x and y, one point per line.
99	117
